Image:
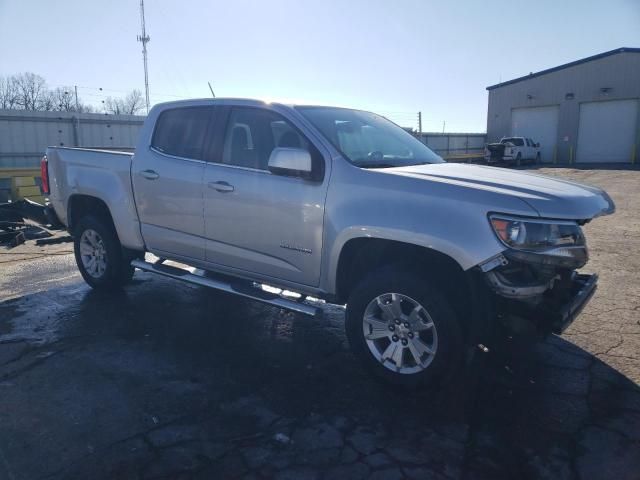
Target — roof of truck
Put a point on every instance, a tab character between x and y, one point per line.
214	100
247	101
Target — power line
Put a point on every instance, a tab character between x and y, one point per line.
108	90
402	118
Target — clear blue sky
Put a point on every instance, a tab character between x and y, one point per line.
392	56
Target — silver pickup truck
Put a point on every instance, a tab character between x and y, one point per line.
341	205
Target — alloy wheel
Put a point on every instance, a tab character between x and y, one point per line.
400	333
93	253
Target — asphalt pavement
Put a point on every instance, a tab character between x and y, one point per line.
168	380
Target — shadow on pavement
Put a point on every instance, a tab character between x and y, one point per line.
173	381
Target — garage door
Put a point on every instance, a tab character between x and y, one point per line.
539	124
607	131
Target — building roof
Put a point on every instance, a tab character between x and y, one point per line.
566	65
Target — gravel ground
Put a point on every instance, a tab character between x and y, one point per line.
167	380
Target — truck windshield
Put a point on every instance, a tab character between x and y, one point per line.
518	142
368	140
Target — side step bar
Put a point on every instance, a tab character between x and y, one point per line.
239	289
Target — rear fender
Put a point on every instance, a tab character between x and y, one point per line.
113	188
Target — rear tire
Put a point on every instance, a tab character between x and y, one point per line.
99	255
403	328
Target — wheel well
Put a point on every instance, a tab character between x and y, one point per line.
81	205
362	255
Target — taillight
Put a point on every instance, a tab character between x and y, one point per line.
44	174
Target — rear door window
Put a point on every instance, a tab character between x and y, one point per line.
182	132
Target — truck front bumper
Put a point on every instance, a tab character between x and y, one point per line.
558	317
551	311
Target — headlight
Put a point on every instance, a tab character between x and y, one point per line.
553	241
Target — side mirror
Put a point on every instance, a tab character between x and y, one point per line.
292	162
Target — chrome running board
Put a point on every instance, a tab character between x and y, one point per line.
244	289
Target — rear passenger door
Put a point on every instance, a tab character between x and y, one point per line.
167	182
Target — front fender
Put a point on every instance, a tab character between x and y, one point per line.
448	219
464	254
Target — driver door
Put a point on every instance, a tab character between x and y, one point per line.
256	221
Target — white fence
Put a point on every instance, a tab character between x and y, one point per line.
451	145
25	135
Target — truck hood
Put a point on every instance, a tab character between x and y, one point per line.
551	197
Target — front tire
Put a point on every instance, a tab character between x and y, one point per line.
99	255
403	328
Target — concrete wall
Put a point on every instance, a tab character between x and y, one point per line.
25	135
620	72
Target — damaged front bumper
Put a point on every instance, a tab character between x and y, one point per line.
583	288
555	311
534	300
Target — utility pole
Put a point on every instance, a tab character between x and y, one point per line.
444	123
79	139
144	39
420	123
210	88
75	88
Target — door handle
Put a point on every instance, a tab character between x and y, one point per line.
150	174
223	187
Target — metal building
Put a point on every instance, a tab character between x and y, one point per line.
580	112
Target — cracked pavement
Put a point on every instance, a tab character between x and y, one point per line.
167	380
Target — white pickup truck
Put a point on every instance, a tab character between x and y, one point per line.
513	150
430	258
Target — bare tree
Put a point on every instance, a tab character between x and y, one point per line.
63	99
113	106
31	91
28	91
134	102
46	101
129	105
85	108
8	93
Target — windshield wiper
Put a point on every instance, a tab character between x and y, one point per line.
389	165
376	165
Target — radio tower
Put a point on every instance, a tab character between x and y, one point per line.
144	38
